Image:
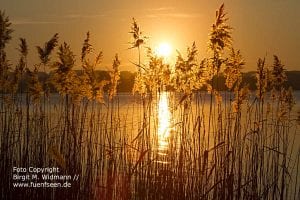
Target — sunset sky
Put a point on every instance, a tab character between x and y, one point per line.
261	27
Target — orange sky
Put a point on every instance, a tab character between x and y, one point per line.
261	28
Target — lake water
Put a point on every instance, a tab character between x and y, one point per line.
165	112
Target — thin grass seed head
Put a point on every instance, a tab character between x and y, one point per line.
154	77
220	35
5	30
64	77
233	69
188	74
261	78
20	67
278	74
137	35
86	47
114	77
23	47
45	52
219	40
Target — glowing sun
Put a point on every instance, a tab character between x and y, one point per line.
164	50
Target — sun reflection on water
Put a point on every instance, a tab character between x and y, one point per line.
164	124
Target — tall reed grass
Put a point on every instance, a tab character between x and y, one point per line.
233	144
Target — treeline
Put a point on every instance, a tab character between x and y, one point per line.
292	79
127	80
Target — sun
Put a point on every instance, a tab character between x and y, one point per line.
164	50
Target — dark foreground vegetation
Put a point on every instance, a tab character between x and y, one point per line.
236	144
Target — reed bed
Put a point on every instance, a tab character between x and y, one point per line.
218	144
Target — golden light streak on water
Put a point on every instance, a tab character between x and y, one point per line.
164	124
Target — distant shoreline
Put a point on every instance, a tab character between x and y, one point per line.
127	80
